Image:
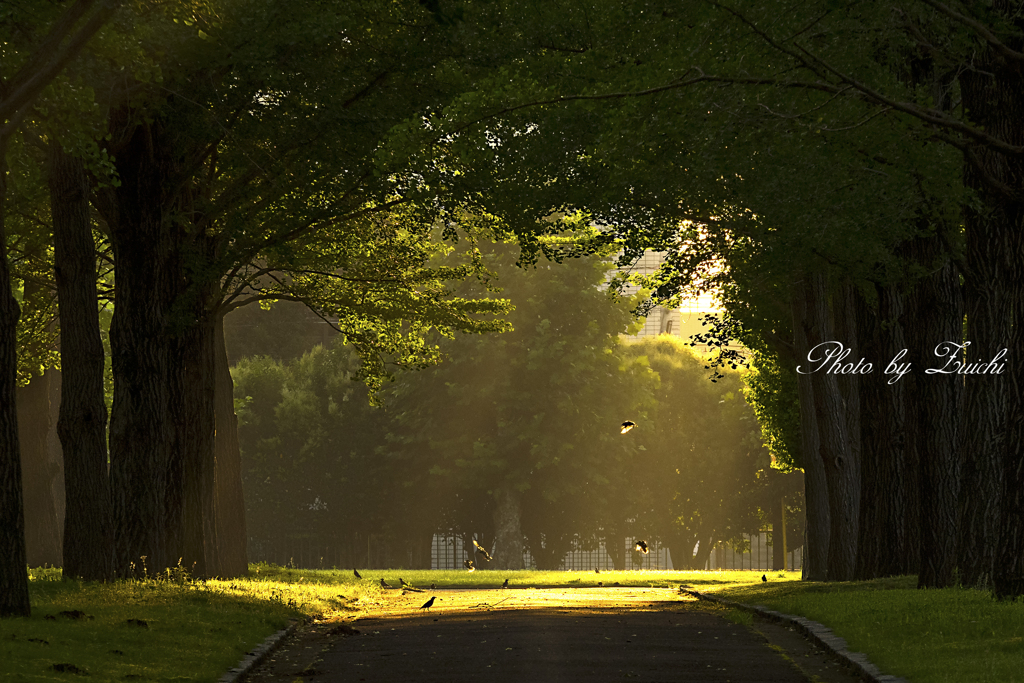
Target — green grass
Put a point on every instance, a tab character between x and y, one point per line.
193	631
925	636
557	579
196	631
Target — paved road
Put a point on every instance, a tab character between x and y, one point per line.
535	636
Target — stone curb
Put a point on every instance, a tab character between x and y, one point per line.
257	655
820	634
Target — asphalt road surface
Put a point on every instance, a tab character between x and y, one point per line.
542	635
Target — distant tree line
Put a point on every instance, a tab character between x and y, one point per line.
514	439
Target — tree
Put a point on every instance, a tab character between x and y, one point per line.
699	477
41	61
527	433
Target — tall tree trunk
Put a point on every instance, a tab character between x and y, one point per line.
882	536
778	517
938	322
82	424
988	330
42	538
844	563
231	558
13	577
707	544
195	429
993	97
508	533
815	556
615	547
984	425
1008	576
146	473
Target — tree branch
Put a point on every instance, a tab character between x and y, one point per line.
49	58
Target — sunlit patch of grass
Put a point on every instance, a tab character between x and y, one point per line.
158	630
453	578
175	629
927	636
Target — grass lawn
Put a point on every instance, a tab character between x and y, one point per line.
926	636
175	630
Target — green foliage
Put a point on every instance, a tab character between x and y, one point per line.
771	392
537	408
932	636
308	437
702	469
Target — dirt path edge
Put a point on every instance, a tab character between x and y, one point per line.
256	655
818	633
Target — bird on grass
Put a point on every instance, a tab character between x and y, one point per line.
356	572
433	586
596	570
383	583
627	425
641	546
764	578
505	585
402	582
483	551
468	564
429	603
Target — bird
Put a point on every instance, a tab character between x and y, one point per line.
356	572
505	585
468	564
402	582
642	547
764	578
627	425
383	583
480	549
433	586
596	570
429	603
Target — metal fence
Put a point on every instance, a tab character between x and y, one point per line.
448	552
753	552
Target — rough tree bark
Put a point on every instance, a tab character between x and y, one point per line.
42	530
842	472
82	424
882	537
508	533
230	556
843	558
938	322
993	98
818	529
13	577
145	474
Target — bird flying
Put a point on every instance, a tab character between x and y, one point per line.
468	564
356	572
483	551
429	603
641	546
627	425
